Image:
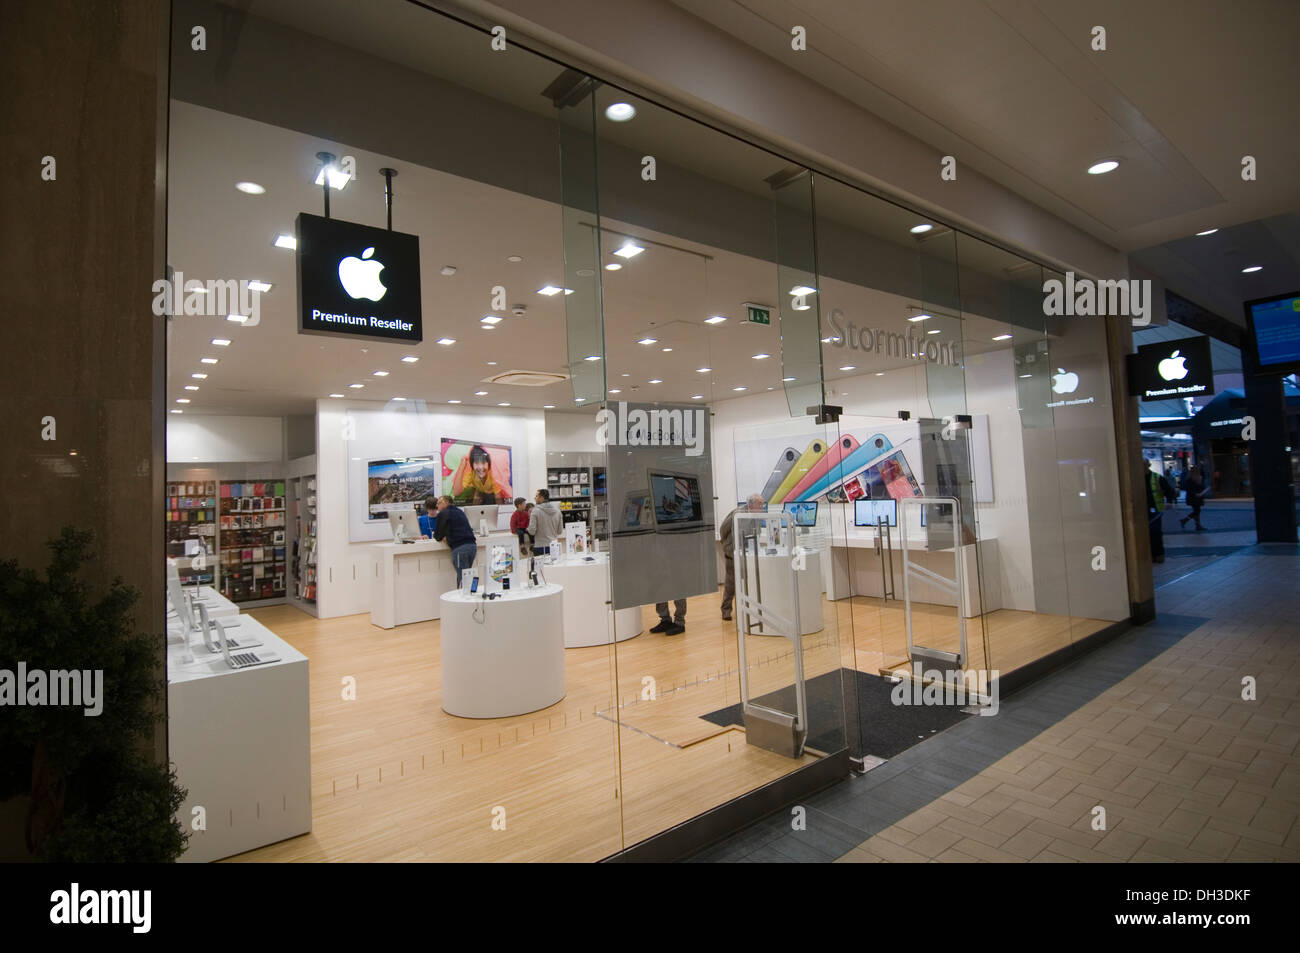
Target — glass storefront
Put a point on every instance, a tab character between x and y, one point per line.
629	320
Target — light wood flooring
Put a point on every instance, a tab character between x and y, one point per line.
396	778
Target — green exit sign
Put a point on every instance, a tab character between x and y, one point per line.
758	315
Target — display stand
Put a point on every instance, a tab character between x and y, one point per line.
505	656
589	617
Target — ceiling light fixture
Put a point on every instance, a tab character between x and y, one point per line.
199	377
697	397
615	390
336	395
453	402
447	270
285	241
761	357
1251	268
182	400
935	331
411	358
480	393
739	388
250	188
1003	337
656	381
620	112
799	290
666	350
237	318
492	363
445	342
703	370
613	266
629	250
592	357
356	386
648	341
716	319
548	406
338	178
920	229
399	398
221	342
191	386
849	367
177	410
1101	168
207	360
786	380
920	317
1208	231
261	287
380	374
549	290
514	259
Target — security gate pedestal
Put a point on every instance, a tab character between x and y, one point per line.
955	586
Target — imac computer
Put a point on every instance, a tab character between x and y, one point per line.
871	512
405	524
803	514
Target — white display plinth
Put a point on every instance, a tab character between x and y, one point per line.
409	576
504	656
775	577
240	741
589	619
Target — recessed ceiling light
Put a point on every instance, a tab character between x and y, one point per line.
920	229
716	319
798	290
935	331
453	402
380	374
336	395
207	360
492	363
514	259
221	342
656	381
182	400
629	250
399	398
703	370
480	393
261	287
697	397
445	342
920	317
761	357
579	400
1003	337
1023	376
648	341
627	375
250	188
613	266
1101	168
666	350
191	386
739	388
584	272
177	410
615	390
338	178
1251	268
285	241
1208	231
237	318
199	377
548	406
356	386
826	340
620	112
411	358
592	357
880	373
786	380
549	290
447	270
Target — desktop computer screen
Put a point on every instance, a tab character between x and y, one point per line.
870	512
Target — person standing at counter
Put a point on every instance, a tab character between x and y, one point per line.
519	524
755	504
452	527
545	523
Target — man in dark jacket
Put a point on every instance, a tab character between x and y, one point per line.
754	504
453	527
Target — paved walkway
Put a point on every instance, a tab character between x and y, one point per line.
1151	727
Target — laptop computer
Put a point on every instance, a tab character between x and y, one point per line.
245	658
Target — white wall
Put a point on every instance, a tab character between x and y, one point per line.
572	433
214	439
345	566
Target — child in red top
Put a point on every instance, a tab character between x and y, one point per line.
519	523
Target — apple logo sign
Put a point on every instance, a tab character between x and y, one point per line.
360	278
1171	368
1063	383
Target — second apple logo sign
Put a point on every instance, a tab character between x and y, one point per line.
357	281
1172	369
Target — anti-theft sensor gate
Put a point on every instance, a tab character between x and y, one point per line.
765	545
946	508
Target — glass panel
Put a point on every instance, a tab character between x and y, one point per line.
427	761
797	293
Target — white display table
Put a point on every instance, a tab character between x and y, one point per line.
854	570
589	619
240	741
505	656
409	576
775	579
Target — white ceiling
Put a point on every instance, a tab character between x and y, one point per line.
1183	91
217	232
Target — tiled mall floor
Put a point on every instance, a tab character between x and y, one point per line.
1151	727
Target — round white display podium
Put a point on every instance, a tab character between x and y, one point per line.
504	656
775	583
588	618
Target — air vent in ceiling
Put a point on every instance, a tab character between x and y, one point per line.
520	378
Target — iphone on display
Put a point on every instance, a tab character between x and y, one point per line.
816	450
839	449
783	464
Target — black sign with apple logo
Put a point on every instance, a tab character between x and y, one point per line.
1172	370
357	281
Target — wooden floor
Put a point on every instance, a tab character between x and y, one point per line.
396	778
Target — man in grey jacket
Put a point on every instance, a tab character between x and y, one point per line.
545	524
754	504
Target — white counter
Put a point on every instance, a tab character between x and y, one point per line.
776	589
854	570
240	740
409	576
589	617
504	656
